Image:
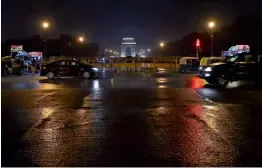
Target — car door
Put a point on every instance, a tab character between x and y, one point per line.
61	68
240	70
74	67
243	68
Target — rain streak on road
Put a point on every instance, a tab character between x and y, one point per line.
129	119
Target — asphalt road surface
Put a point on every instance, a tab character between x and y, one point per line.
130	119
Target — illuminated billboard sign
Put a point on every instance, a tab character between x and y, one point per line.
16	48
240	49
36	54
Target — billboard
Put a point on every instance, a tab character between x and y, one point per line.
36	54
240	49
16	48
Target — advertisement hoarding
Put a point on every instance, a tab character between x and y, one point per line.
16	48
36	54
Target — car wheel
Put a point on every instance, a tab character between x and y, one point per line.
50	75
86	75
222	80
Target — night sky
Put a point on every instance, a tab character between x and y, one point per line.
107	21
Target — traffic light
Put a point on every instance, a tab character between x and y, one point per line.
197	43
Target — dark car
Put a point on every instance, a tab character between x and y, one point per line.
68	68
238	67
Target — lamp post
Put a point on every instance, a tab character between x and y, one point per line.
162	44
45	26
211	25
148	50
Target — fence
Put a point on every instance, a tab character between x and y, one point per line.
156	62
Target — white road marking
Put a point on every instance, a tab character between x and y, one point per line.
48	94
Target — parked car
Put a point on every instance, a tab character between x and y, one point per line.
68	68
238	67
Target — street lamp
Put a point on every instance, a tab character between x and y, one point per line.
162	44
148	50
211	25
45	26
81	39
110	51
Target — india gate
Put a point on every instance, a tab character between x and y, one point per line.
128	47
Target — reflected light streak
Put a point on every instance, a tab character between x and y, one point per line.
47	112
48	86
161	80
96	84
211	107
197	83
162	86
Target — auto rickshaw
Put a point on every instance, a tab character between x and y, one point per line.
10	67
188	64
205	61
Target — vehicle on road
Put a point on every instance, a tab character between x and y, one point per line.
188	64
238	67
9	67
209	60
61	68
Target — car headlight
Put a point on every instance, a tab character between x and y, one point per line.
95	69
200	68
208	69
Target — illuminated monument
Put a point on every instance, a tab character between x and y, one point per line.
128	47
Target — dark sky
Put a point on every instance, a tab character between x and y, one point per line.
107	21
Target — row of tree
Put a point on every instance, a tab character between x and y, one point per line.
247	29
65	45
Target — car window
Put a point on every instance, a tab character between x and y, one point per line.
73	63
248	58
59	63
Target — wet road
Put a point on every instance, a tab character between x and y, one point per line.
129	119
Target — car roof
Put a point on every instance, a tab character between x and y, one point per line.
64	60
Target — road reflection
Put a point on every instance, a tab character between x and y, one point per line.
193	134
68	136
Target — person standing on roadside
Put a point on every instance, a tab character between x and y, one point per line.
33	66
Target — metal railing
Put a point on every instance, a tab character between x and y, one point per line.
155	62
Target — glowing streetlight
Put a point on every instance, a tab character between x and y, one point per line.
110	51
211	24
81	39
106	50
148	50
45	25
162	44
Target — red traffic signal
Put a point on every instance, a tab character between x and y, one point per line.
197	43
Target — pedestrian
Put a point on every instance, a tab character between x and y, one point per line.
33	66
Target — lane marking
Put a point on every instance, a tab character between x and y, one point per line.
48	94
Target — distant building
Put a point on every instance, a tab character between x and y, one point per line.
128	47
